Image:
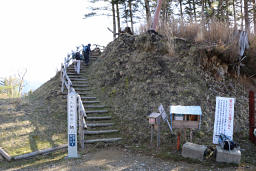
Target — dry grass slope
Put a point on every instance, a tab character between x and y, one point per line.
34	122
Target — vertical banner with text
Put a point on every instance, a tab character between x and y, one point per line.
72	125
224	118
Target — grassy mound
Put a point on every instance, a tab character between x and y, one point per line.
136	74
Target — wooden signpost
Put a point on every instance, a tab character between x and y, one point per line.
154	121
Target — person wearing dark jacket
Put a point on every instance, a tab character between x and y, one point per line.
86	53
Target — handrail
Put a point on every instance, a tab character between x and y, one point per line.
66	82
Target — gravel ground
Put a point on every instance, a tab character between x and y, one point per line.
122	159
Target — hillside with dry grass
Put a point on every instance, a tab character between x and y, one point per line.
34	122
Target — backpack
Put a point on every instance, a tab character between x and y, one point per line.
226	143
77	56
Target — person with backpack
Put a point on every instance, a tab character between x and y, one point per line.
86	53
77	54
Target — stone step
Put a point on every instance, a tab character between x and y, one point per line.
96	111
94	106
88	97
93	125
90	102
95	118
100	132
105	140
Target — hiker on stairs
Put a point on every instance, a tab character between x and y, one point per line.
86	53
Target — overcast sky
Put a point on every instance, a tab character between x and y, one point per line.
37	34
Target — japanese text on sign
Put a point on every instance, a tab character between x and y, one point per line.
224	116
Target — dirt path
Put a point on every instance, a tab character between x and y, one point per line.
117	159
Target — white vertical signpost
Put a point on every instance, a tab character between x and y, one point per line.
224	118
72	125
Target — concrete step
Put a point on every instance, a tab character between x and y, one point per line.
82	89
80	82
87	97
100	132
79	79
95	118
90	102
75	77
84	93
77	85
105	140
94	106
96	111
93	125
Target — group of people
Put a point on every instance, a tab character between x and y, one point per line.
85	53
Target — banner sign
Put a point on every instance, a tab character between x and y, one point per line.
162	112
72	125
164	116
224	118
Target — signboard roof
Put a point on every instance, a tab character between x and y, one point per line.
154	115
193	110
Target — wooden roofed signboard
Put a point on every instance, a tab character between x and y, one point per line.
185	116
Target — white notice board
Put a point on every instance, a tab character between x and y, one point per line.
224	118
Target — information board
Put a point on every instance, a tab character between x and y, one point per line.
224	118
72	125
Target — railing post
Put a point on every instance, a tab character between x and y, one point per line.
78	67
252	116
80	121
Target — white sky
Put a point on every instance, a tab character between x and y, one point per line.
38	34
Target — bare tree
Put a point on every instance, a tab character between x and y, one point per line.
21	81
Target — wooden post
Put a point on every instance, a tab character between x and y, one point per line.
251	116
152	134
185	134
178	141
158	132
191	134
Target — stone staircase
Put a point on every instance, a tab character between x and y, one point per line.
100	125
